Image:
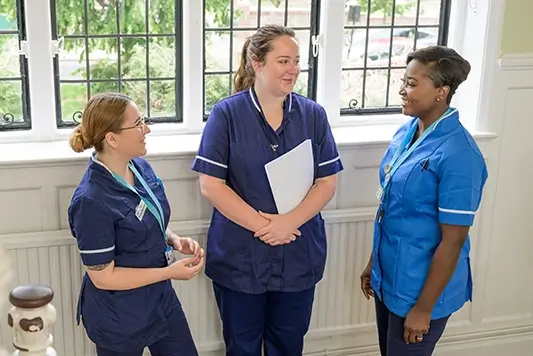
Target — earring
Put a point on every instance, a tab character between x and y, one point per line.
438	99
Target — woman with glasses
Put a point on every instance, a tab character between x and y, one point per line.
119	215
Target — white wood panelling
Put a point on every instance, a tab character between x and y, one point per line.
34	231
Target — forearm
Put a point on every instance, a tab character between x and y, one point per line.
235	208
441	270
121	278
318	197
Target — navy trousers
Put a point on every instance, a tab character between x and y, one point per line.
179	341
390	334
278	321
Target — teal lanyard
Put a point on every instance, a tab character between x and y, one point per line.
401	154
156	212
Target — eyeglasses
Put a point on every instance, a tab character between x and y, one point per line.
139	125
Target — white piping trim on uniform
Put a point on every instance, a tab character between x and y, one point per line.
95	160
101	250
450	114
256	104
453	211
211	161
330	161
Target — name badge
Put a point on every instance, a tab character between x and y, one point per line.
169	254
140	210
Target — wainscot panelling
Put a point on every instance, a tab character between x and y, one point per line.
34	231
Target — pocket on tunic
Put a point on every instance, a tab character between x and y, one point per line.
228	247
412	270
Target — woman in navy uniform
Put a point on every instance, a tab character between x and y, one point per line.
119	216
264	266
431	182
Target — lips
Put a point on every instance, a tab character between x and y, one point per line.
406	102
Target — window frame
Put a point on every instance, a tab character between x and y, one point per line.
5	123
178	77
312	60
482	48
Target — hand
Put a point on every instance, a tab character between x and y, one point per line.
187	246
279	231
184	269
365	282
416	325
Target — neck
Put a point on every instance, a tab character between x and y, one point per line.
427	120
267	100
116	164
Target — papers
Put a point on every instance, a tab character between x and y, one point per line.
291	176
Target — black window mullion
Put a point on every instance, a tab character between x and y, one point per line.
120	67
232	29
8	121
178	45
313	61
359	108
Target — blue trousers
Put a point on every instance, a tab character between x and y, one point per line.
278	321
390	334
179	341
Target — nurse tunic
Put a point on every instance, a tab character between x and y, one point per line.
236	144
436	180
102	217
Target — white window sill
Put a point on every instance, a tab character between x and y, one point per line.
180	144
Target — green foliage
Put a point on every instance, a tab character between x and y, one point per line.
10	99
102	20
385	7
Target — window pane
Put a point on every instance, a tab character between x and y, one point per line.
377	38
228	23
127	46
14	102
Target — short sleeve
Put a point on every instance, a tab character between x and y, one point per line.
212	157
329	161
461	181
94	231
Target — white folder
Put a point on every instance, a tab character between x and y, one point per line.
291	176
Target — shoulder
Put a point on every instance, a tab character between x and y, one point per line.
228	103
89	201
308	106
461	146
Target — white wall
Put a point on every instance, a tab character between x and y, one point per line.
33	227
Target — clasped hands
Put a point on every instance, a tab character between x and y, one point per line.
280	229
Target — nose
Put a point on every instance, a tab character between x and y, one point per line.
146	129
402	90
294	67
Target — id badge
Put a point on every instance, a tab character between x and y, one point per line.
169	254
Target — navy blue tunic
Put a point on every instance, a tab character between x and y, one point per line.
236	144
102	219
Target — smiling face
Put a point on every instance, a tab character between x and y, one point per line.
281	67
419	94
129	140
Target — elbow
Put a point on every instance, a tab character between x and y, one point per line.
328	185
209	186
102	278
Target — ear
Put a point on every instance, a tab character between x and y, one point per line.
111	139
255	63
442	93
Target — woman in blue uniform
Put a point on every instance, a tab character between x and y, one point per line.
431	182
119	216
264	266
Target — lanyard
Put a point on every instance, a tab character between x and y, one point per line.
401	155
156	212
